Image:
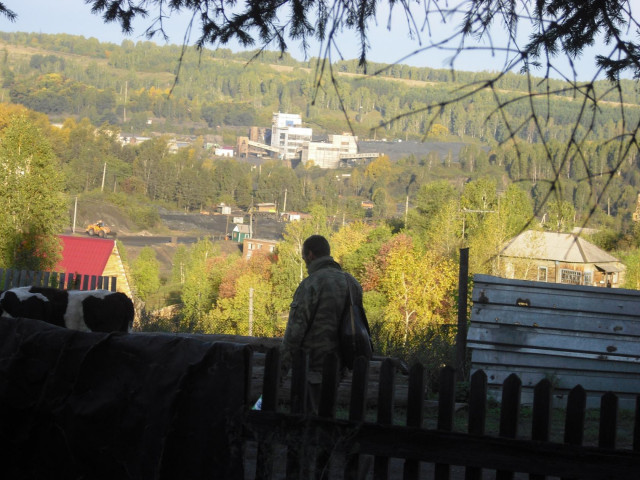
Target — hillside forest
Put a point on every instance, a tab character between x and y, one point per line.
66	100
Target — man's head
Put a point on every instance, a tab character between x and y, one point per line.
314	247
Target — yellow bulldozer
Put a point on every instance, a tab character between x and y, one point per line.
99	229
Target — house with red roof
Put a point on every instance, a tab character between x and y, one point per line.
93	256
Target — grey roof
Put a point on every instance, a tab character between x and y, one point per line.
565	247
241	228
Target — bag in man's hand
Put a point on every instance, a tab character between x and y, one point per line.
355	337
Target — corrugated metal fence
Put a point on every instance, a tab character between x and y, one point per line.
567	334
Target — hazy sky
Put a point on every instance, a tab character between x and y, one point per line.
74	17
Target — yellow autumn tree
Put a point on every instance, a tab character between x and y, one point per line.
420	289
348	239
250	310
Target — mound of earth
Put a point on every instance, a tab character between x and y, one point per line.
90	211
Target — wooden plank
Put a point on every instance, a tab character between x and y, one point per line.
600	300
385	415
595	384
477	415
579	321
327	409
415	403
509	414
608	421
299	405
636	427
541	417
264	456
541	358
538	338
446	411
574	420
610	301
357	409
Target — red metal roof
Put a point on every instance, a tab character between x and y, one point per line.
84	255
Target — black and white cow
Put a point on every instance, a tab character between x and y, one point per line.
84	310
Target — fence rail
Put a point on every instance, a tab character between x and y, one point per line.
294	443
10	278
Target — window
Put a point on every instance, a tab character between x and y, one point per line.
588	277
572	277
542	274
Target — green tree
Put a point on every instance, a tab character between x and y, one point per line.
561	216
198	290
33	209
145	271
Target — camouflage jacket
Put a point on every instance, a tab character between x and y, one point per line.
314	316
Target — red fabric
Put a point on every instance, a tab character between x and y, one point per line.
83	255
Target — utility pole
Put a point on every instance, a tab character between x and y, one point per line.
104	173
251	219
251	312
406	211
464	217
75	211
124	110
284	205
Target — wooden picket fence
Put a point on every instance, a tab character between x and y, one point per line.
10	278
289	442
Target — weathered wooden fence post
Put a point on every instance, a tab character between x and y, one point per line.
477	415
446	410
415	402
461	335
357	409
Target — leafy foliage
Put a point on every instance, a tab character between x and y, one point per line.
145	271
33	209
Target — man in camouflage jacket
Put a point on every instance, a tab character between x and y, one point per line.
315	313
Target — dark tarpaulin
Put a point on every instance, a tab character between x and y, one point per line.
118	406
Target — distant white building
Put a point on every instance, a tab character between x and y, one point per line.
329	154
288	135
223	152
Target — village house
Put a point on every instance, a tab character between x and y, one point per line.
240	232
93	256
266	207
253	246
559	258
